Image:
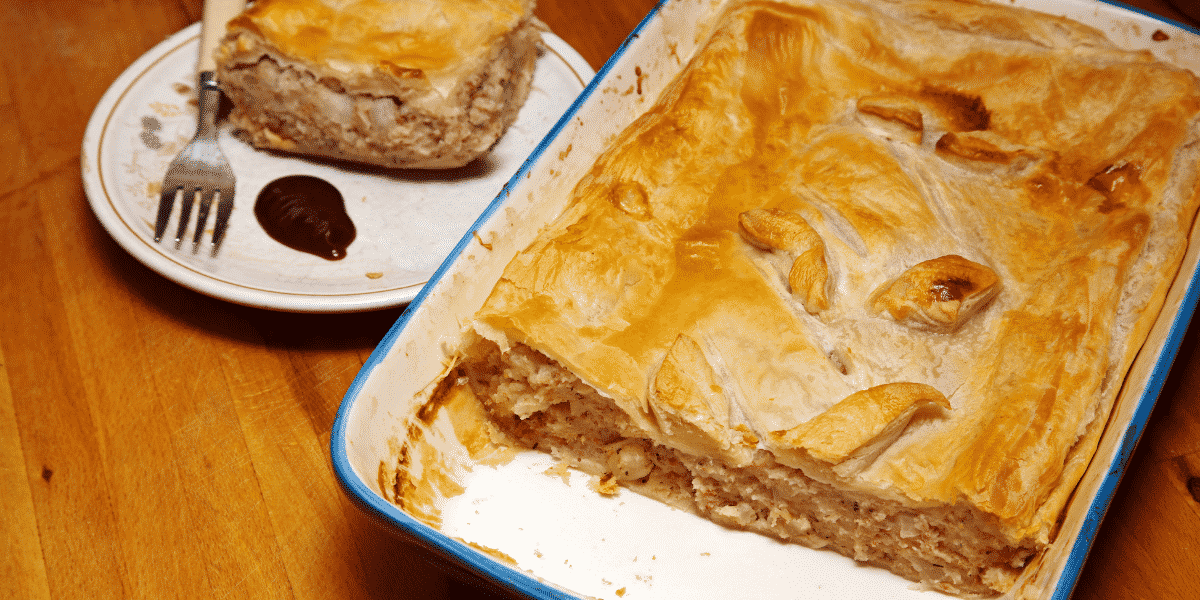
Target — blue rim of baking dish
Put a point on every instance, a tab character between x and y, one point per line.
460	559
1150	15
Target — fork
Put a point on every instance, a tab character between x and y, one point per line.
201	169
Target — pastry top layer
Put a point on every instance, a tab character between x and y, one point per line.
438	40
910	246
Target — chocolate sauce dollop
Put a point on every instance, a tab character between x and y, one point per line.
306	213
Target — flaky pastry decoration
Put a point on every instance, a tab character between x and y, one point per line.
939	294
859	425
776	229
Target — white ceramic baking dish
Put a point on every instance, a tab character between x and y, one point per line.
551	537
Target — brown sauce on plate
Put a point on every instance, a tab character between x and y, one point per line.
306	213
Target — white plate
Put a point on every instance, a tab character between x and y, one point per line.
407	220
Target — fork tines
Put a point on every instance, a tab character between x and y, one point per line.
187	195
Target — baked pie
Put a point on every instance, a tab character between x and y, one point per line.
867	277
412	84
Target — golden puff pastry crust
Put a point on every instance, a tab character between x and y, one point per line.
987	205
413	83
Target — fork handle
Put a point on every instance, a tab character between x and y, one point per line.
217	14
208	93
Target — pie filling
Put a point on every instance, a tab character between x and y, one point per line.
542	406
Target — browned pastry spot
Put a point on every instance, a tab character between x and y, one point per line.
974	149
401	72
1120	184
900	116
938	294
888	108
962	112
631	199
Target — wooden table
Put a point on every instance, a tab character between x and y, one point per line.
156	443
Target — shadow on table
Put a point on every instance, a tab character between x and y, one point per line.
247	324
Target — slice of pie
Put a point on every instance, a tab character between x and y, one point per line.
413	84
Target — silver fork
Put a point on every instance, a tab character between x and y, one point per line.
201	169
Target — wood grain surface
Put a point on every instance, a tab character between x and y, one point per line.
157	443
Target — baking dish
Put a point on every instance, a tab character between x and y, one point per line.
550	537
